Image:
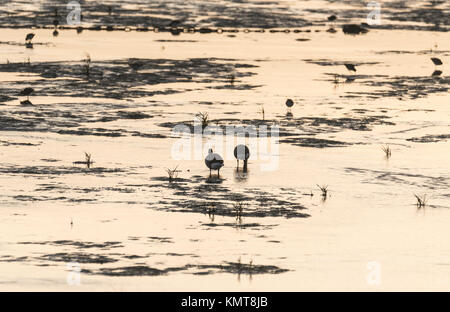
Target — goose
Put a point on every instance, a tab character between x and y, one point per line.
350	67
289	103
214	162
242	152
26	92
135	64
29	37
436	61
332	18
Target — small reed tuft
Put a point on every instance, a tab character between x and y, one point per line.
203	117
172	173
421	200
387	150
323	189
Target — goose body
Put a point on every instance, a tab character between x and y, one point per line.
289	103
242	152
213	161
29	37
26	91
332	18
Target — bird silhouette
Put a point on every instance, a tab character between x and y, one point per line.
29	37
135	64
214	162
436	73
242	152
175	23
436	61
332	18
350	67
26	92
289	103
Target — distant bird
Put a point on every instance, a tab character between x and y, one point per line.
289	103
332	18
174	23
242	152
26	92
436	61
350	67
55	23
55	33
214	162
29	37
135	65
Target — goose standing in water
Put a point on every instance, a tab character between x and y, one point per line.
436	61
26	92
214	162
29	37
242	152
289	104
135	64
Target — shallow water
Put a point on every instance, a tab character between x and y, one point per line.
129	228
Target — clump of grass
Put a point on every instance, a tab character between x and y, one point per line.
211	212
387	150
421	200
172	173
87	65
336	79
238	207
323	189
232	78
88	160
261	110
203	117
